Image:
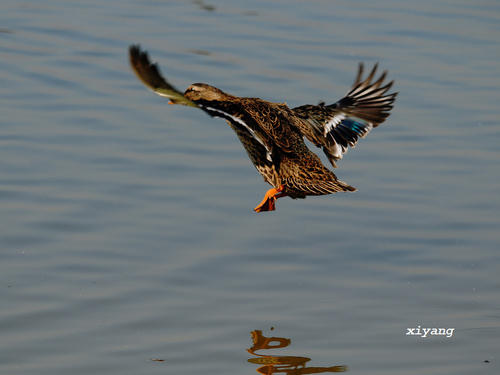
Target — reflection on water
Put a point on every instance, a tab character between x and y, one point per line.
282	363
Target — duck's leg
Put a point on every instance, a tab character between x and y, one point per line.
269	201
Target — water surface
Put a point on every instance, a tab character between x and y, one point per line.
127	232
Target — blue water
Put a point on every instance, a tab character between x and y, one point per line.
126	225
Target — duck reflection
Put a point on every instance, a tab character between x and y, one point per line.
275	364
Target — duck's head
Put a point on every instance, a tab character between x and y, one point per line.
202	91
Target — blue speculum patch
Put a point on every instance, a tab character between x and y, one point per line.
357	126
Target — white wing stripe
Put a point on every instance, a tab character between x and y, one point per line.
241	122
337	152
334	121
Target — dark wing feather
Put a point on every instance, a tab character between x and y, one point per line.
368	100
268	123
257	153
338	126
150	75
257	149
273	120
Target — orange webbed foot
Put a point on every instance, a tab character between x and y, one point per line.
269	201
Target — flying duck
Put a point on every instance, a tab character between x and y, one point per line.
273	134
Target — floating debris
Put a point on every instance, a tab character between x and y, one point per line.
202	5
201	52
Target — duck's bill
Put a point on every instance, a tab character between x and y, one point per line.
175	96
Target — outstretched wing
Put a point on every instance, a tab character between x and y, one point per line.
258	153
150	75
257	150
335	127
256	146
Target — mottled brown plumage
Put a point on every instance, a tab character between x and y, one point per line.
273	134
